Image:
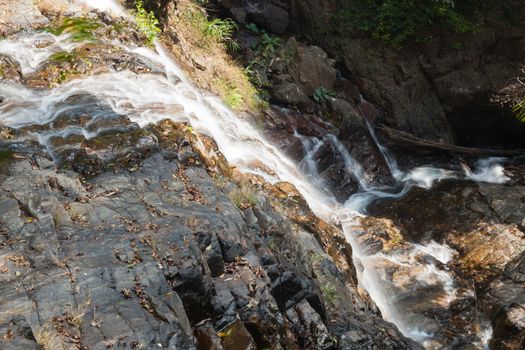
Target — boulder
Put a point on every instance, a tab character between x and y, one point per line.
18	14
291	94
509	328
269	15
312	68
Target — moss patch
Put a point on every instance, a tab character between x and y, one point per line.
63	56
6	158
80	29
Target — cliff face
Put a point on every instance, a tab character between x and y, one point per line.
429	89
438	90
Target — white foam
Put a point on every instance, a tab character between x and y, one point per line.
441	252
487	170
31	51
426	176
109	6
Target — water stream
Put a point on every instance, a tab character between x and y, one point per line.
149	98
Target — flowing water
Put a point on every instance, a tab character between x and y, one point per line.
148	98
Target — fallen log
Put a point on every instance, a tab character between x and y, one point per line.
407	140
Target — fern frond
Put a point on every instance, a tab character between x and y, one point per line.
519	111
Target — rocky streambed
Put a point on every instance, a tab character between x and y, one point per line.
137	211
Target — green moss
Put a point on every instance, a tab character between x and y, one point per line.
63	56
230	93
118	27
6	158
80	29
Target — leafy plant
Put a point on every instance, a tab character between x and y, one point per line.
519	110
329	292
398	21
321	94
146	21
252	27
223	30
253	71
256	69
269	43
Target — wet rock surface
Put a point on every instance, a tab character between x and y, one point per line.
20	14
323	111
158	254
116	236
483	223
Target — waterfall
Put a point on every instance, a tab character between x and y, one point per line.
149	98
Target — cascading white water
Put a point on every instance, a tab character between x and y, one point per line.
148	98
108	6
31	51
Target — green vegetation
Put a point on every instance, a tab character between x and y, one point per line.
268	44
264	53
230	93
147	23
316	258
519	110
222	30
65	75
329	292
243	197
208	42
62	56
513	96
80	29
252	71
398	21
6	157
321	94
207	33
